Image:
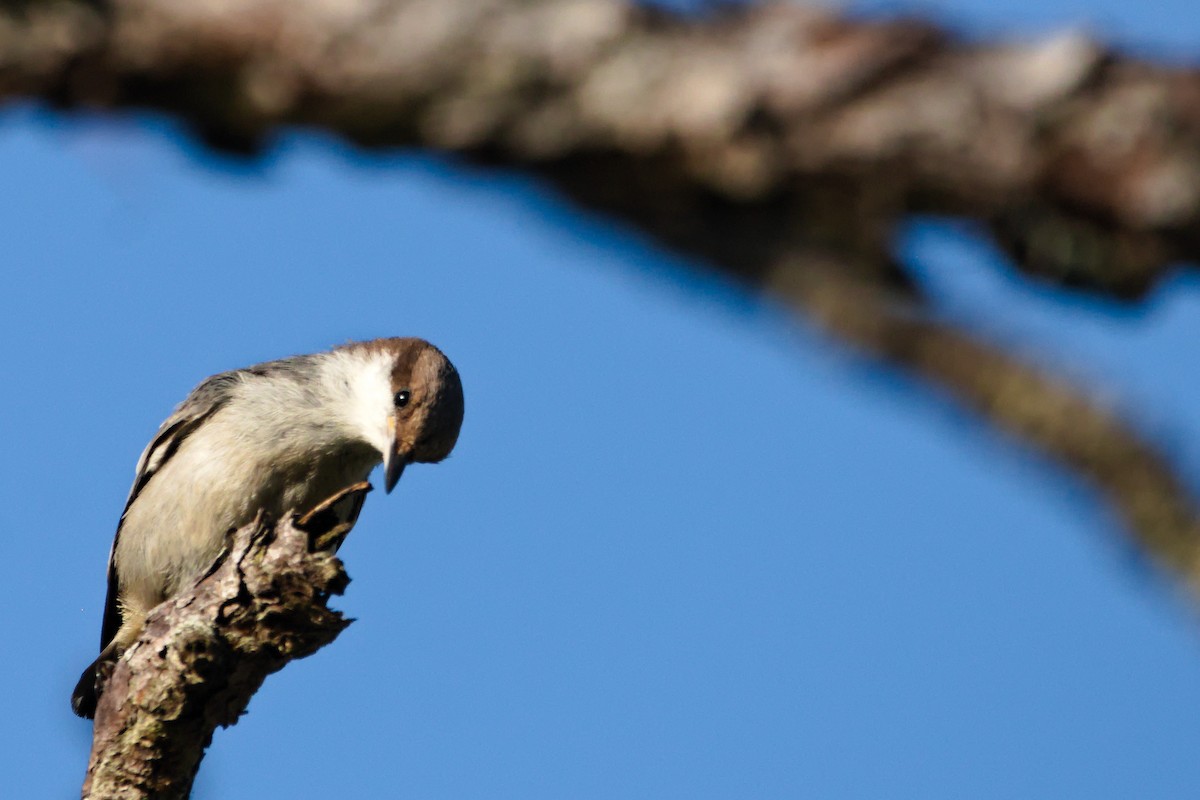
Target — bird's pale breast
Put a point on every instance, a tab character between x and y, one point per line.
220	479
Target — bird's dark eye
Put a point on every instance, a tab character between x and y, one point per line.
402	398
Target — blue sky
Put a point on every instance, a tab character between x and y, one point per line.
682	550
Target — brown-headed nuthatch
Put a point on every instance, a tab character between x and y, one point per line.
275	437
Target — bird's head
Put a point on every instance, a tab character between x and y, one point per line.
424	406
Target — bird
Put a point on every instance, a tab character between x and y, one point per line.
271	438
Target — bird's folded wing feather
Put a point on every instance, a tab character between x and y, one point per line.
204	401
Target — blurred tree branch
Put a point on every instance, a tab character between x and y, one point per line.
780	144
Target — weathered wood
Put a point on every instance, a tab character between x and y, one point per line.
732	137
204	654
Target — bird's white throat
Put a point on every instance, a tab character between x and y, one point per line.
358	384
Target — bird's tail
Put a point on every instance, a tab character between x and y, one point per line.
85	696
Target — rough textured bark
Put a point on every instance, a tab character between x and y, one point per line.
205	653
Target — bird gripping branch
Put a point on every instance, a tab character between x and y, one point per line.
266	439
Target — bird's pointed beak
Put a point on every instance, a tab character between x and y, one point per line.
393	467
395	459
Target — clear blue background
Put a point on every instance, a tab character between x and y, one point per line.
683	548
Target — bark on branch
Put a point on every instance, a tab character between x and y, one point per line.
204	654
776	122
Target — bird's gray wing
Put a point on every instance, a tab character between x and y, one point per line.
204	401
